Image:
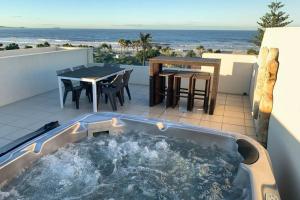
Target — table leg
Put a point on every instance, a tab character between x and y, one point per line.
214	90
60	93
94	96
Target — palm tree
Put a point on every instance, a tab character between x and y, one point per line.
166	50
136	44
122	44
145	40
200	50
127	44
190	53
106	46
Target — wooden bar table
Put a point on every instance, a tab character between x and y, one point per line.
193	63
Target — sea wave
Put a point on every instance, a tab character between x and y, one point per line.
180	40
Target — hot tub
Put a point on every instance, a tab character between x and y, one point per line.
116	156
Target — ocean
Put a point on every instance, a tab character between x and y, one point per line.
226	40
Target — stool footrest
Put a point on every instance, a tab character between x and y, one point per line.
200	94
199	98
200	90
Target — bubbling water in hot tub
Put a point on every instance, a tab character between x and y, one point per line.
131	166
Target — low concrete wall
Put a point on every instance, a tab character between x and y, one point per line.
284	128
140	74
23	52
235	73
26	73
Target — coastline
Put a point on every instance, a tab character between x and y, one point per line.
178	40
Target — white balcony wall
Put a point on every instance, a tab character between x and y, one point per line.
140	74
284	127
26	73
19	52
235	74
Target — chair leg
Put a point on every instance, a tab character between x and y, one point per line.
77	98
119	95
106	98
87	91
98	99
100	91
89	94
112	102
73	96
128	92
122	94
65	96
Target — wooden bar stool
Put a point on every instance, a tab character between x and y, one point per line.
202	94
180	92
166	91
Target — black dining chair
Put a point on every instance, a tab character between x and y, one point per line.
68	85
86	85
113	89
126	78
108	79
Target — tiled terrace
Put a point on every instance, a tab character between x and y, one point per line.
232	113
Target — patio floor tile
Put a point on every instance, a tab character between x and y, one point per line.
232	113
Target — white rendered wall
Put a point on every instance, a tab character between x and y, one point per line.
30	74
235	73
284	127
28	51
140	74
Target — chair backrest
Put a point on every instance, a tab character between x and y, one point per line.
67	83
78	67
126	76
118	81
59	72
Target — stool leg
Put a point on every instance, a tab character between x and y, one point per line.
178	90
193	91
205	103
189	100
169	100
162	88
207	94
175	92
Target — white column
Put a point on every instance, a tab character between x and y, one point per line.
94	83
60	92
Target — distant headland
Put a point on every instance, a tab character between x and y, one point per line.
11	27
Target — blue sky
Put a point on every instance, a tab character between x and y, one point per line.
139	14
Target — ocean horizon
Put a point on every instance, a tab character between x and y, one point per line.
225	40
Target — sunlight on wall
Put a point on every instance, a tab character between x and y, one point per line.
284	127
